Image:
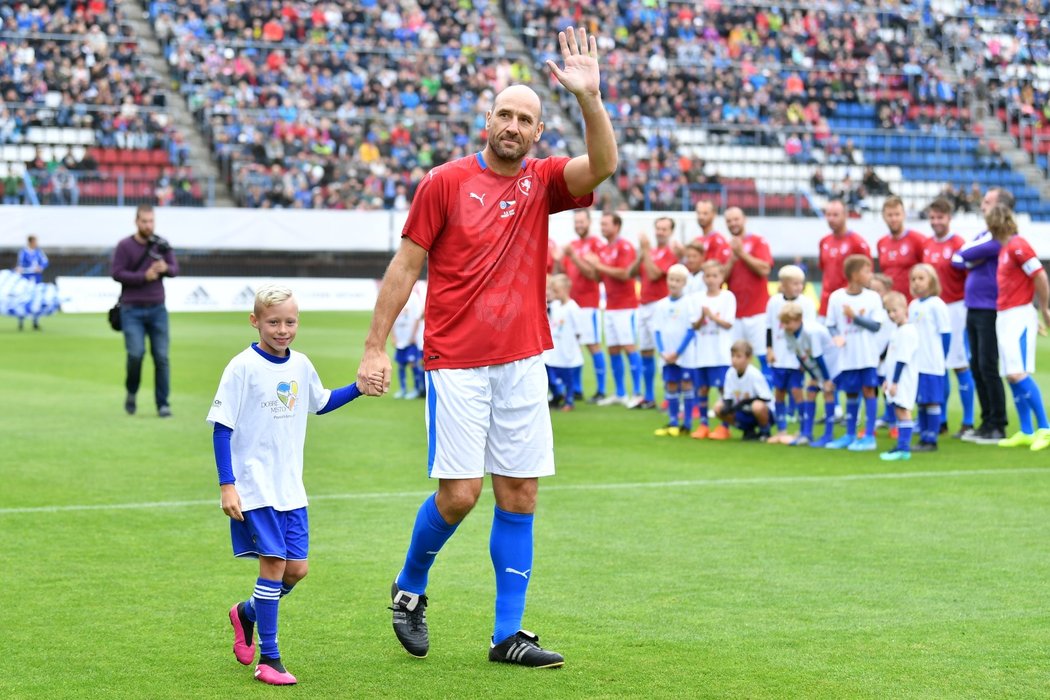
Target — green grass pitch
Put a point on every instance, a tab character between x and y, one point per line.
664	568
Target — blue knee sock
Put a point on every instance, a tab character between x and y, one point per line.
871	410
672	407
598	358
923	424
829	417
249	608
635	361
904	431
286	589
688	402
419	378
852	411
616	363
577	380
965	379
429	534
265	600
806	428
564	375
649	373
701	402
947	397
401	376
793	406
766	372
1035	402
510	546
933	414
782	415
1024	414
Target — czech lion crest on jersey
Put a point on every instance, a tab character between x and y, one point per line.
525	184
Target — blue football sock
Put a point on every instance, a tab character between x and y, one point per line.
933	413
510	546
965	379
429	534
871	410
1024	414
420	379
766	372
577	380
598	358
904	431
249	608
806	429
616	364
829	417
635	361
923	424
852	411
286	589
701	402
267	596
782	415
947	397
1035	402
672	407
649	374
565	375
793	406
401	376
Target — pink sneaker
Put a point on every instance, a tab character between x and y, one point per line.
243	644
269	674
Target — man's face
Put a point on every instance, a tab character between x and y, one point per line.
663	232
990	199
835	215
705	215
514	125
144	223
894	218
581	223
609	228
940	222
736	222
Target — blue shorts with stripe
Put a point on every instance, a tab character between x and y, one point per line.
787	379
931	389
284	534
710	376
406	356
852	381
676	375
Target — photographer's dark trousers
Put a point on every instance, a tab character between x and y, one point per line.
984	363
140	321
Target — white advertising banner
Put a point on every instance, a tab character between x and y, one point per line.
97	294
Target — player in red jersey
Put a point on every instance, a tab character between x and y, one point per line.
938	251
614	262
587	295
901	249
651	266
834	249
1021	279
749	269
480	224
714	244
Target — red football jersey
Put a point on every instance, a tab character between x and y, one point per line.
833	251
652	291
1018	264
585	291
751	290
898	255
715	246
486	235
619	294
551	247
939	254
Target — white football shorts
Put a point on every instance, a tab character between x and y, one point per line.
753	330
1016	330
958	346
587	325
646	331
489	420
619	327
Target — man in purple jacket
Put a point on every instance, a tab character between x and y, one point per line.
140	264
980	257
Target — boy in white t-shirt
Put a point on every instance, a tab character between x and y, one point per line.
902	382
407	353
565	357
787	374
714	312
855	316
259	417
674	336
745	395
882	285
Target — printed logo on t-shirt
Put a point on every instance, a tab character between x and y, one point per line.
288	393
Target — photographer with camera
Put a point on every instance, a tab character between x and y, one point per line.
140	264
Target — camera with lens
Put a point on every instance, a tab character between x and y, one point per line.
158	247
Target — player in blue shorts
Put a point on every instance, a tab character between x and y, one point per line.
929	314
674	335
715	313
811	344
745	395
784	368
902	383
259	417
855	315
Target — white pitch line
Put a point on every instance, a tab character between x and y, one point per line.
731	481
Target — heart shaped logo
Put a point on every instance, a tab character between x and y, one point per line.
288	393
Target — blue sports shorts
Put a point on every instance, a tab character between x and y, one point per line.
406	356
710	376
675	374
787	379
931	389
284	534
852	381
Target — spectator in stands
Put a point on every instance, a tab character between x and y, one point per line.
817	184
873	184
64	188
14	188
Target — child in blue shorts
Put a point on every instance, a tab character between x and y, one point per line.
259	417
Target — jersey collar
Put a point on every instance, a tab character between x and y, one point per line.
485	166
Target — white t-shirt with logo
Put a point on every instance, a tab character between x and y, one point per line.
405	323
266	404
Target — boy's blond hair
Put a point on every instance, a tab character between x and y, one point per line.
561	279
791	272
790	312
271	294
741	347
935	281
678	269
882	278
854	264
894	299
714	265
